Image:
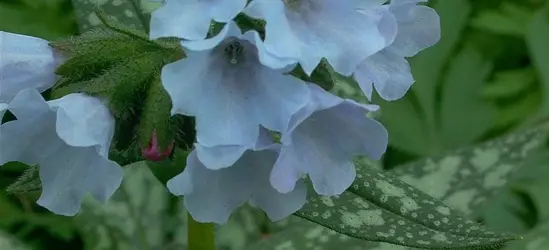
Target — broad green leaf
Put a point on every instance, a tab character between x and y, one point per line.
466	177
464	115
44	19
304	235
136	217
506	212
128	12
9	242
536	38
537	239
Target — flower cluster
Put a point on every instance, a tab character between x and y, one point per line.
238	88
259	130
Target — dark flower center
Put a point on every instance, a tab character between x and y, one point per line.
234	51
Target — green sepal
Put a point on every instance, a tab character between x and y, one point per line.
100	57
156	117
125	76
29	181
169	168
321	76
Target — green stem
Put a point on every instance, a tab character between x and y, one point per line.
200	235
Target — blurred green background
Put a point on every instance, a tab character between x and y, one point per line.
488	77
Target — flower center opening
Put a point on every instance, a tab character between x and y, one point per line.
233	51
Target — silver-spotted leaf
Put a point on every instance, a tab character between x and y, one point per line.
128	12
463	184
384	209
467	177
134	218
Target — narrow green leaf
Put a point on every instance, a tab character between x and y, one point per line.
509	83
409	138
518	111
127	12
536	38
464	115
427	67
29	181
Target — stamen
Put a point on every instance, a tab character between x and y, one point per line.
234	51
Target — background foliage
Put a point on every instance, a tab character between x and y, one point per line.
471	132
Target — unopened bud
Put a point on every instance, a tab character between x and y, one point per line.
154	153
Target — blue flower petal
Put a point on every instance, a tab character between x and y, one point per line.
323	141
25	62
212	195
68	139
388	70
231	93
309	30
190	19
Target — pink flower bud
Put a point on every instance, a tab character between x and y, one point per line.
153	152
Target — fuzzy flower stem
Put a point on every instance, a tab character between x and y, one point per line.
200	235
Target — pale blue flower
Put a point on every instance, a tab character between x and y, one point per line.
308	30
388	70
212	195
190	19
25	62
322	140
224	84
69	139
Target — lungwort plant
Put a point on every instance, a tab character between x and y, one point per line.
231	102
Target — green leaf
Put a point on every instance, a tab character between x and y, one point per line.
509	82
509	19
427	67
467	177
537	239
44	19
536	38
29	181
169	168
304	235
463	179
383	208
408	138
128	12
134	218
464	115
8	241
